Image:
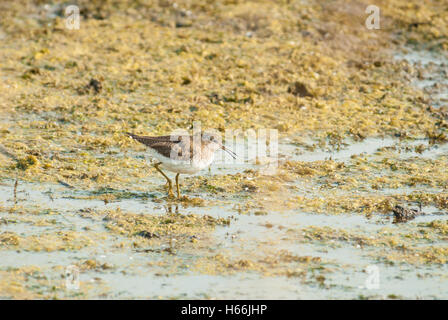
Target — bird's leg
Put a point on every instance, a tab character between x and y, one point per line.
170	185
177	185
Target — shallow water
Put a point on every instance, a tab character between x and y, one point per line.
246	233
129	278
434	80
344	262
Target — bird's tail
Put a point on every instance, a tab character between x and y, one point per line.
133	136
138	138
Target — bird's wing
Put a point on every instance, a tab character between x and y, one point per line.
166	149
175	147
148	140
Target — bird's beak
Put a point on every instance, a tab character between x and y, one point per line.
233	154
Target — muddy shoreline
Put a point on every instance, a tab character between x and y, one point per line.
361	130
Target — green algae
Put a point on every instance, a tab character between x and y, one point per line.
228	64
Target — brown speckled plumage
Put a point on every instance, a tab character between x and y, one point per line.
181	147
181	153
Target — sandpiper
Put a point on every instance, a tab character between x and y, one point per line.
186	154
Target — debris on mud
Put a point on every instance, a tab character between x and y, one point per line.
299	89
403	214
147	234
94	86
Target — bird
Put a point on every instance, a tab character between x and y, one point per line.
181	154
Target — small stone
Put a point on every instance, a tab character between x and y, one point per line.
147	235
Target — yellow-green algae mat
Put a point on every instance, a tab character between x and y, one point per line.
77	195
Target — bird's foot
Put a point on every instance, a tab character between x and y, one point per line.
171	194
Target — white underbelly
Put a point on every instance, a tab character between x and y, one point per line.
181	166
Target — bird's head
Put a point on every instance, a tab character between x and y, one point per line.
214	140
